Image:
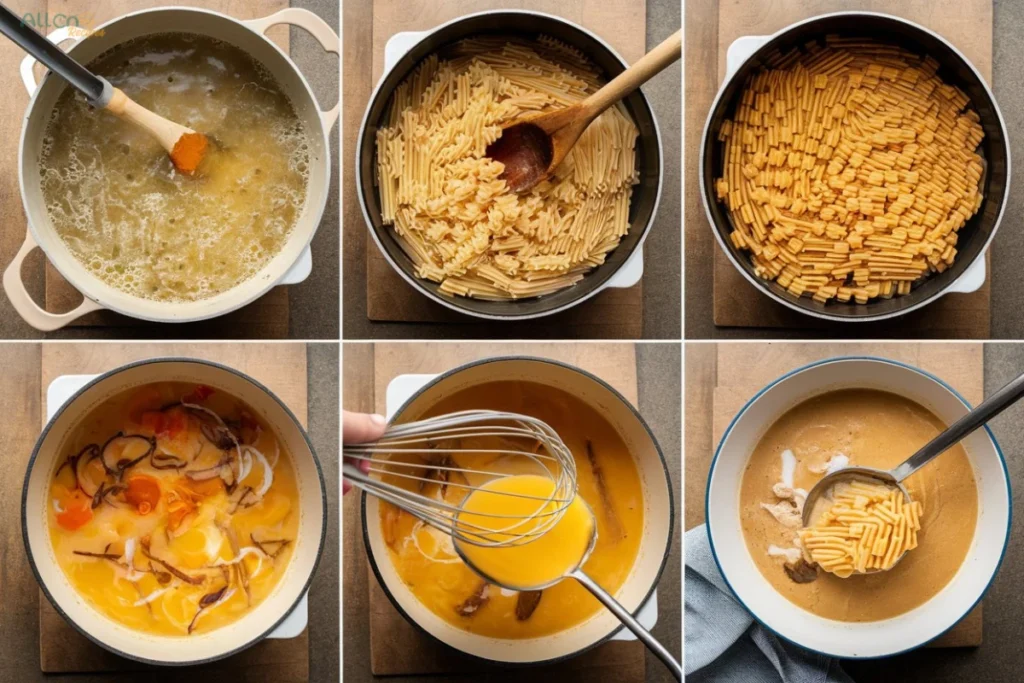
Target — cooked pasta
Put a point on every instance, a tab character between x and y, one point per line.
454	217
849	169
867	528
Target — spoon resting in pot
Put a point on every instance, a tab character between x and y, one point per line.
186	147
894	478
533	146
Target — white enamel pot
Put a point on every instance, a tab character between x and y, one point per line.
658	513
837	638
248	36
52	449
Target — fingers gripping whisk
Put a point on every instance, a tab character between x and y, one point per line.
429	467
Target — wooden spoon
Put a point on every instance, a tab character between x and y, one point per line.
533	146
185	146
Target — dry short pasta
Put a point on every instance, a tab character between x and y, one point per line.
868	527
850	166
455	218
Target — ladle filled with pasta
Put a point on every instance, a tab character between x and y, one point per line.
860	520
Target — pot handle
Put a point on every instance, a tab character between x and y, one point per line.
319	29
27	308
57	37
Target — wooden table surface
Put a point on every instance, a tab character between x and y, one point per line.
657	368
21	404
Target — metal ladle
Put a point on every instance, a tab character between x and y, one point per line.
598	592
959	430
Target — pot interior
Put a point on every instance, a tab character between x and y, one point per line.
526	26
51	450
291	83
654	543
850	639
954	69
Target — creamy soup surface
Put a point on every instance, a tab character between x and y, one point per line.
175	511
873	429
608	480
116	201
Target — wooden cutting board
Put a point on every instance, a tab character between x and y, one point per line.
265	318
615	313
61	648
396	646
965	23
732	373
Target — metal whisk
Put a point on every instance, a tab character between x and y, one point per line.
438	444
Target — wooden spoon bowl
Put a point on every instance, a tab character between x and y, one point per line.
533	146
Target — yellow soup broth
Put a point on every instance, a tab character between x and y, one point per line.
608	481
175	510
116	201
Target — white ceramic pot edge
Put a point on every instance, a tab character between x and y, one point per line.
628	279
745	592
963	284
260	387
97	295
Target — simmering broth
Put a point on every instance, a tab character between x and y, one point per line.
608	480
116	201
175	511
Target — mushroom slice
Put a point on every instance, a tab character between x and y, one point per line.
210	600
123	451
474	602
219	435
83	477
801	571
165	461
526	604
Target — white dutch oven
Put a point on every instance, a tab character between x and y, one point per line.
658	513
836	638
52	449
246	35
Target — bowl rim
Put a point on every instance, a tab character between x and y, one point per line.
841	359
759	284
95	289
452	302
24	518
671	513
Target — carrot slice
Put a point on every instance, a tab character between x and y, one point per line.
77	511
143	492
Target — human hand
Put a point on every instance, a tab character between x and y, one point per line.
359	428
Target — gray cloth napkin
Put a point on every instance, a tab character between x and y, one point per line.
723	642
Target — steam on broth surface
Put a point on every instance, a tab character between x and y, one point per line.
175	511
608	480
116	201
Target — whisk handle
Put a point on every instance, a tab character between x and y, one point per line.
629	622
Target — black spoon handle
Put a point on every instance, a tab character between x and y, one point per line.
55	59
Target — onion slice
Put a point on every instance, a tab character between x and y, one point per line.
220	437
151	597
114	463
241	555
